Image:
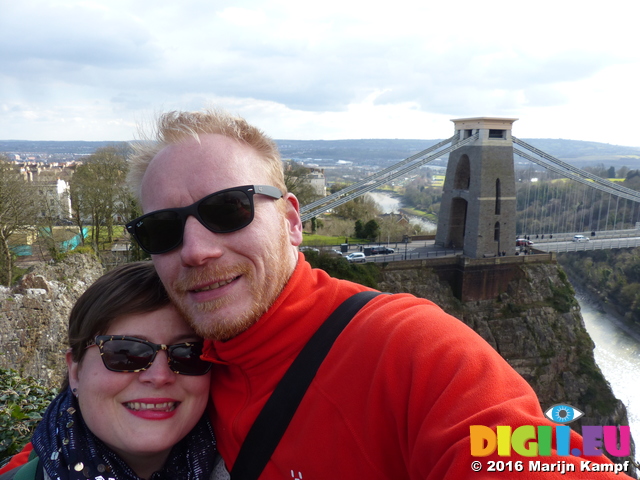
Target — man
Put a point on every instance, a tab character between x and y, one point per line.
398	392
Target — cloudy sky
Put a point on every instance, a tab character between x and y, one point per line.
94	70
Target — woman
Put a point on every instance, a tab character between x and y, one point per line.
134	401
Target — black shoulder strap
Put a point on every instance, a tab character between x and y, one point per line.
275	416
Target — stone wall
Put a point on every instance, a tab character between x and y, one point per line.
34	316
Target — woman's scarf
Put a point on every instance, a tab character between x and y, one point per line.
68	450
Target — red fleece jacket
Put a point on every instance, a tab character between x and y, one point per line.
18	459
394	399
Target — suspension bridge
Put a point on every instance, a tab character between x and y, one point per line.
485	205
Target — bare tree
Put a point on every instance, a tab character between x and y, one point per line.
98	191
360	208
295	179
17	213
52	212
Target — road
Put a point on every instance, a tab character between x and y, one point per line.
595	243
560	243
409	251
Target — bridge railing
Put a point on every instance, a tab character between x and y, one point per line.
568	236
396	257
601	245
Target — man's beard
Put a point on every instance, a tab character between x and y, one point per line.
262	295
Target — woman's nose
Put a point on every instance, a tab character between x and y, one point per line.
158	372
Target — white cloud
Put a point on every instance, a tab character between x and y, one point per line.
89	70
243	17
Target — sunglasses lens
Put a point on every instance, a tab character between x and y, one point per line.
160	231
227	211
223	212
126	355
185	359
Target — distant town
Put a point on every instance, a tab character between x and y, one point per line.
51	164
336	152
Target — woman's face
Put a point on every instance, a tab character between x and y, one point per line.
141	414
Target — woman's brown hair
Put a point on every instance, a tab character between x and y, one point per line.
132	288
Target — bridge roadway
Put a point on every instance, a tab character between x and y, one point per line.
410	251
601	241
560	243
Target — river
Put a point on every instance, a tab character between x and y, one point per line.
389	204
617	353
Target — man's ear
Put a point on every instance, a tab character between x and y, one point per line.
292	217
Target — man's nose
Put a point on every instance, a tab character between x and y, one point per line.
198	243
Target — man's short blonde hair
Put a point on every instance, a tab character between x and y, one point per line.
176	127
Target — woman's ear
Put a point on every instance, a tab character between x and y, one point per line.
73	368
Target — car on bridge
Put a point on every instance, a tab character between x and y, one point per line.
356	257
382	251
523	242
580	238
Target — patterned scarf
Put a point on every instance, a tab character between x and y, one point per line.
68	450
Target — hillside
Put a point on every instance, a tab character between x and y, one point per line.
579	153
51	147
372	151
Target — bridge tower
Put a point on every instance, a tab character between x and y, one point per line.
478	209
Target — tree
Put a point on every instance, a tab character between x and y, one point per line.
99	194
363	207
296	182
599	170
632	179
17	213
420	195
49	206
622	171
371	230
394	226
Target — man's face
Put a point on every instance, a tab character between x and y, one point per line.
222	282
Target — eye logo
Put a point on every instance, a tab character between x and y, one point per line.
563	413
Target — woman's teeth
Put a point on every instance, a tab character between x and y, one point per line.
166	406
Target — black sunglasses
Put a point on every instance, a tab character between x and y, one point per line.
120	353
221	212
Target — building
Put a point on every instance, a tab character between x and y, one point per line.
317	181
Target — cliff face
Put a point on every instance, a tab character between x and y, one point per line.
536	325
34	316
